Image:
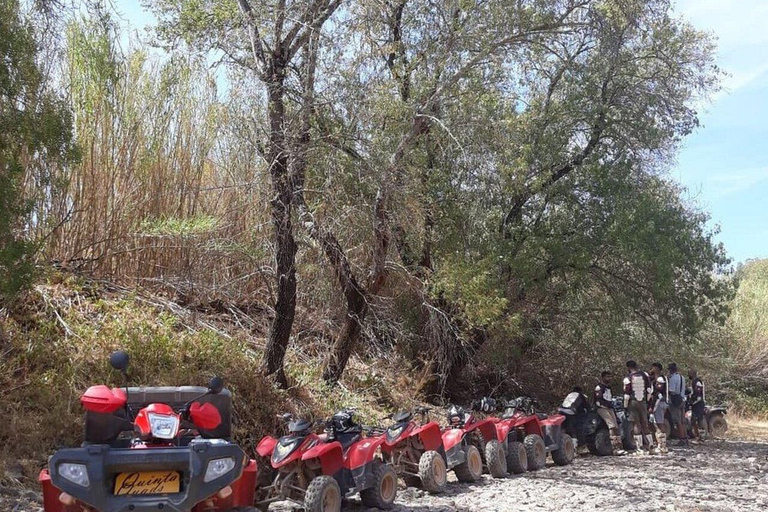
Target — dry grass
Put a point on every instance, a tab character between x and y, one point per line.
56	340
748	428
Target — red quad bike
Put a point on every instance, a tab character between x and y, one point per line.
540	434
416	451
173	454
471	446
514	450
318	471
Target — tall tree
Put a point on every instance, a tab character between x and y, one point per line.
35	133
265	40
429	49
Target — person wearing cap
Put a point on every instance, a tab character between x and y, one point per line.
676	388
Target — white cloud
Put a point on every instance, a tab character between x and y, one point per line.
731	182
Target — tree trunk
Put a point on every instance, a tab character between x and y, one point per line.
357	307
285	245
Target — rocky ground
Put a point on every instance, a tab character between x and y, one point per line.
720	476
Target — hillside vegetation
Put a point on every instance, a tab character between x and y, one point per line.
370	203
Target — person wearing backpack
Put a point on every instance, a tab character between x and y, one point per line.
676	388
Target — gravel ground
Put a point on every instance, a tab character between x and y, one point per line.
721	476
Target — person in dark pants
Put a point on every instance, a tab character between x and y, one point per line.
603	399
637	390
658	404
676	387
698	408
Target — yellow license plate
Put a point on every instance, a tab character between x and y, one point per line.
148	482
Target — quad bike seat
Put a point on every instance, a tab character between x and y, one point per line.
347	439
402	417
542	416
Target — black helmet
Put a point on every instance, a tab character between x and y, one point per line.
342	421
456	415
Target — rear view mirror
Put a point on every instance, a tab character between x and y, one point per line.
119	360
215	385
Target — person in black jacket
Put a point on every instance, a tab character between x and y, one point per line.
603	400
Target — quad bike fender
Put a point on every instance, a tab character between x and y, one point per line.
452	437
717	410
555	419
266	446
487	428
552	434
530	424
330	455
503	431
362	452
429	435
51	495
243	491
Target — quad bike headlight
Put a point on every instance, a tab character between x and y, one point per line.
394	432
284	449
163	426
75	473
218	468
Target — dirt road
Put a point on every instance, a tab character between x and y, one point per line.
721	476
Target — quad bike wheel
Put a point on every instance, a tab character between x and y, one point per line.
323	495
603	445
471	470
384	489
566	452
536	451
495	459
718	425
517	458
433	472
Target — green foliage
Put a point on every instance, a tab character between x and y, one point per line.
35	133
470	285
748	314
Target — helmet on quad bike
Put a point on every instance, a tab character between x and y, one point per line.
457	416
343	422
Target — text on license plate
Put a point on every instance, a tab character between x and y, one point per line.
148	482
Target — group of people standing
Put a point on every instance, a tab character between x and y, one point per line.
647	398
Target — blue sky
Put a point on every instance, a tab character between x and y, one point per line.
724	164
